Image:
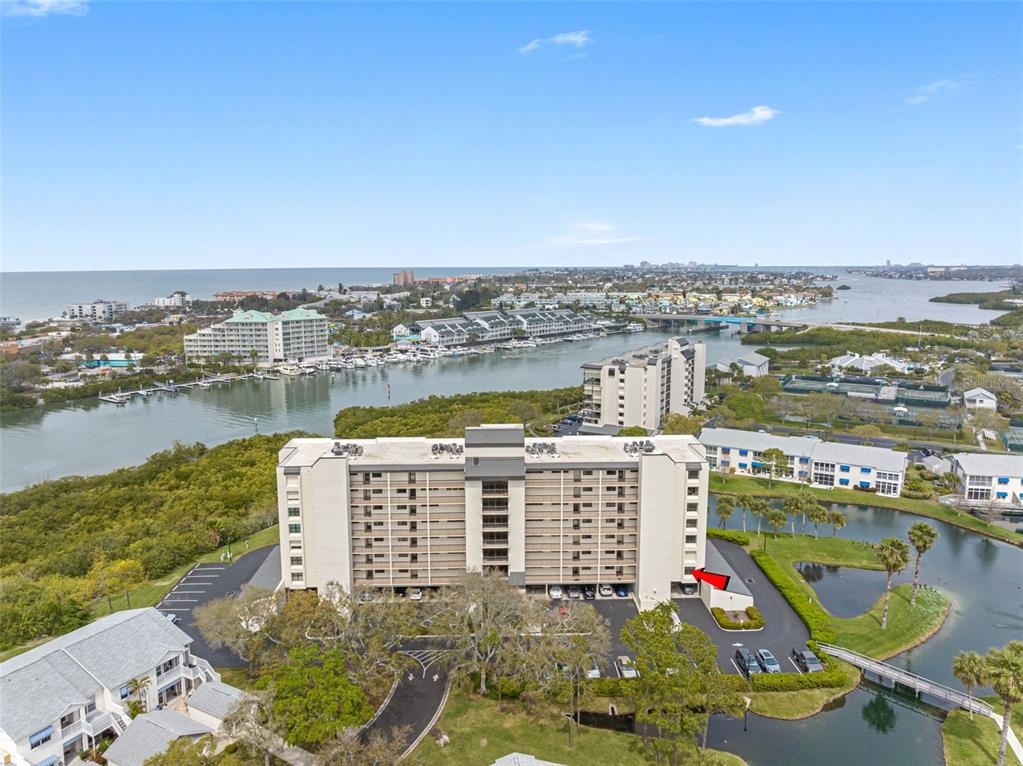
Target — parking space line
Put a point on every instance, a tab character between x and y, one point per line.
207	566
182	600
731	660
798	669
201	592
172	609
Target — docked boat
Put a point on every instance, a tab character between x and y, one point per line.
290	370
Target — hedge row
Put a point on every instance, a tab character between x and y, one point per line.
830	678
755	622
810	612
729	536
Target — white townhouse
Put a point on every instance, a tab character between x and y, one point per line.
61	697
980	399
494	326
810	460
985	478
98	311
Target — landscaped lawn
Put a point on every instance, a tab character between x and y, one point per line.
975	743
481	732
746	485
907	626
804	703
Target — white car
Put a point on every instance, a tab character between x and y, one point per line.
605	591
574	591
594	671
415	594
625	667
555	592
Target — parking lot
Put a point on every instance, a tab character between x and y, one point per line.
783	630
206	582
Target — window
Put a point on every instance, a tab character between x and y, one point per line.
124	692
690	539
692	523
294	529
977	493
296	577
691	491
294	513
41	737
694	474
296	561
296	545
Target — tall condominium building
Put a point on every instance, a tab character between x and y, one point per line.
641	387
268	339
98	311
404	278
422	512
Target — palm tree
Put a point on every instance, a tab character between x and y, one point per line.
792	507
139	687
759	509
1004	673
818	515
725	508
970	669
921	536
742	502
776	518
837	521
894	555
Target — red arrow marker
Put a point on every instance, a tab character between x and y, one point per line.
718	581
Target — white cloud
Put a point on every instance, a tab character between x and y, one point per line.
925	92
755	116
588	234
45	7
577	39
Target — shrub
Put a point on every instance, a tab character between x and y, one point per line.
755	621
729	536
817	620
611	687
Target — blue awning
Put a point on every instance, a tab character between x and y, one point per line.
864	484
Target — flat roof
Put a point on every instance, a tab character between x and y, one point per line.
639	357
418	451
805	446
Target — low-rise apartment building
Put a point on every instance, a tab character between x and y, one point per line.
640	387
423	512
100	310
299	335
988	479
62	697
809	460
494	326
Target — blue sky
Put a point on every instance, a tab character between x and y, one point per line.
173	134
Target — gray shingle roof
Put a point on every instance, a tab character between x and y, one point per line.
215	698
805	446
150	734
38	686
980	464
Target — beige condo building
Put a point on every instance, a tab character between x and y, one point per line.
640	387
400	512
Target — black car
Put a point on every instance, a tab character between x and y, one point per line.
807	661
589	592
747	662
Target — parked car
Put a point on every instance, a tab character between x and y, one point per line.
807	661
589	592
767	661
747	662
625	667
366	596
415	594
605	591
555	592
622	591
574	591
593	671
556	427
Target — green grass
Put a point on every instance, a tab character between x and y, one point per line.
907	626
792	706
975	743
481	732
150	593
746	485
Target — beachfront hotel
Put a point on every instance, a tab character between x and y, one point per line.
401	512
640	387
299	335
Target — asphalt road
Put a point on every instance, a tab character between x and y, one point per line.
417	700
207	582
783	630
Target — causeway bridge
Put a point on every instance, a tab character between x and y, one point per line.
921	685
748	324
